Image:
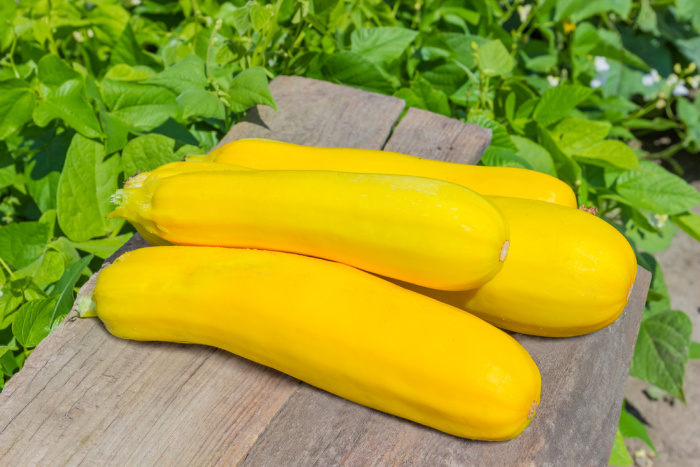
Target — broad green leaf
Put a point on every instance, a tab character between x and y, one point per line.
127	50
652	242
381	45
588	40
8	170
66	248
44	270
499	157
494	59
688	113
16	106
556	103
499	135
124	72
619	455
64	98
574	135
10	300
694	353
610	153
185	75
631	427
249	88
86	183
43	170
657	124
446	75
116	130
567	168
422	95
63	290
200	103
23	242
535	155
654	188
353	69
33	321
661	352
689	222
103	247
142	106
578	10
148	152
108	22
260	16
657	298
690	48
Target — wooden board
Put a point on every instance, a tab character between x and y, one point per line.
85	397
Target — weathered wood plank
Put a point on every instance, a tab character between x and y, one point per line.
431	136
330	116
582	388
87	397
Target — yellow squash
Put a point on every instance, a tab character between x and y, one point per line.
568	273
332	326
420	230
497	181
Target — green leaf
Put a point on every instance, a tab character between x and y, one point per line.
656	124
381	45
16	106
620	455
688	113
84	188
186	75
654	188
148	152
694	353
63	290
33	321
44	270
578	10
116	130
690	48
651	242
500	157
10	300
494	59
689	222
260	16
103	247
588	40
143	107
422	95
499	135
43	170
567	168
23	242
124	72
64	95
610	153
537	156
249	88
662	350
200	103
353	69
127	50
631	427
556	103
574	135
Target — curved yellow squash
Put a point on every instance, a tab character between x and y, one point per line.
497	181
568	273
420	230
332	326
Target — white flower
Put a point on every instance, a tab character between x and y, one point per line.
524	12
680	90
693	81
553	80
672	79
596	83
601	65
651	78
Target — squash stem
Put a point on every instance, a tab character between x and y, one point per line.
87	308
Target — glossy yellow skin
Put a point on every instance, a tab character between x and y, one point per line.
568	273
332	326
496	181
420	230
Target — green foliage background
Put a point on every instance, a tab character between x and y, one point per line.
91	92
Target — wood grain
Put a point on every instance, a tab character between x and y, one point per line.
87	397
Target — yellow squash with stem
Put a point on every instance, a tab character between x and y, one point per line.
498	181
420	230
568	273
332	326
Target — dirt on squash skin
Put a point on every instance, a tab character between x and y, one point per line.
674	428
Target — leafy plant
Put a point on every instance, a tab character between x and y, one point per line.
92	92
